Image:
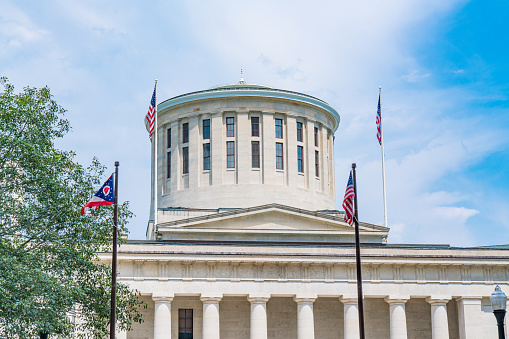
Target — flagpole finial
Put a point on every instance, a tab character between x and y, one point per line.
116	163
156	81
379	87
354	165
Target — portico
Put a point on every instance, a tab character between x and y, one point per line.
248	244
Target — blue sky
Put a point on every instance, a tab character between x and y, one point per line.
441	64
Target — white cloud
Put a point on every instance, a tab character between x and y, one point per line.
17	30
415	76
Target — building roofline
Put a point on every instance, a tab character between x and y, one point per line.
246	90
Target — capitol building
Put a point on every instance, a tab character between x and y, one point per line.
245	240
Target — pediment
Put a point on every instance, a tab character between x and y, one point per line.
271	217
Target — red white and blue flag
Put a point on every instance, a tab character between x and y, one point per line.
104	196
151	117
379	122
348	200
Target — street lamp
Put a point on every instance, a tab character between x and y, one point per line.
498	303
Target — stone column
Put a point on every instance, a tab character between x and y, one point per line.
258	328
305	320
351	318
397	316
210	316
439	323
469	317
162	317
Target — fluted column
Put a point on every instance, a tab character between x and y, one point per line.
210	316
258	328
305	319
162	317
351	318
439	323
398	317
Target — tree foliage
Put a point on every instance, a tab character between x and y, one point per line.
49	266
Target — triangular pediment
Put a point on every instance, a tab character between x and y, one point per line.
270	217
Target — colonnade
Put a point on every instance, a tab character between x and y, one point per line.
305	317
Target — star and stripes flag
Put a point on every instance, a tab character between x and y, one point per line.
379	122
348	200
151	113
104	196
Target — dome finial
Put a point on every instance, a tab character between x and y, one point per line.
242	81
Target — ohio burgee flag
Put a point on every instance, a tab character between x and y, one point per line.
104	196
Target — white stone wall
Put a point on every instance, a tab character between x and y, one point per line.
234	318
376	314
244	186
281	318
329	320
145	330
418	315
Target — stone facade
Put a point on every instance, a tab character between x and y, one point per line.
261	253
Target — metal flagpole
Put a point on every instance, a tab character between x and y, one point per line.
114	259
155	160
360	299
383	156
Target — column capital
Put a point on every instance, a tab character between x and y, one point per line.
162	298
438	300
262	298
392	299
304	299
211	298
348	300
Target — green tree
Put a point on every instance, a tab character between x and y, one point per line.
49	266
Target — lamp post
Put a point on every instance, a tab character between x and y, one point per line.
498	303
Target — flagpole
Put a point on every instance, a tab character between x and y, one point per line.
360	299
383	156
155	158
114	258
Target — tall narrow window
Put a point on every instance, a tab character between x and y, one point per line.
317	163
230	154
255	126
168	138
206	156
206	129
255	154
185	133
168	165
279	128
279	155
185	324
299	131
300	158
316	136
230	127
185	160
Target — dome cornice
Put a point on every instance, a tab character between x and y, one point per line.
248	90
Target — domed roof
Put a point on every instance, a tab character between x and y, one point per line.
243	89
242	84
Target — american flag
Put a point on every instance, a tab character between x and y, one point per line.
348	200
151	113
379	122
